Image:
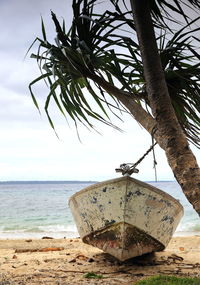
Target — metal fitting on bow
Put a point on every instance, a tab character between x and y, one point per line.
127	169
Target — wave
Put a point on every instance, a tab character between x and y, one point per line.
189	226
55	231
70	231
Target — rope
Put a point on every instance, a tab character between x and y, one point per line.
154	161
129	168
146	153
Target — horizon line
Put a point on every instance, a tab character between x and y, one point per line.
66	181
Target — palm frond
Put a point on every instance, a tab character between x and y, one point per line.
97	45
86	49
164	10
180	61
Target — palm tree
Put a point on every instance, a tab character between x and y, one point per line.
173	139
155	79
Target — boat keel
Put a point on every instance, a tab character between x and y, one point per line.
123	241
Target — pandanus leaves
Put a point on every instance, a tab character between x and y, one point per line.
103	46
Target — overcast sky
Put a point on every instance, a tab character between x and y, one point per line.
29	149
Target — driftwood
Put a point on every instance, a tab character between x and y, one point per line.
47	237
46	249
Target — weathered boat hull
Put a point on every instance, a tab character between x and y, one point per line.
125	217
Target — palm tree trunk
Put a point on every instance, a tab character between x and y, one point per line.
172	139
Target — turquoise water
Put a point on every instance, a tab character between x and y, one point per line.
34	210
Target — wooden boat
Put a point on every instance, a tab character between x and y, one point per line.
125	217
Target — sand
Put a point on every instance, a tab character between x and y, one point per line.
66	261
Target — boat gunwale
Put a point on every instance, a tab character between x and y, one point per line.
126	179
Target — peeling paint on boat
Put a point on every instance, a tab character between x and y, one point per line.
125	217
120	239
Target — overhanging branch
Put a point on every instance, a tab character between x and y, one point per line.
129	101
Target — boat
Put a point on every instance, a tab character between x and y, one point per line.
125	217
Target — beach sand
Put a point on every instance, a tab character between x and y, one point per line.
66	261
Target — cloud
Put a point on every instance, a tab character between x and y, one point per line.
36	154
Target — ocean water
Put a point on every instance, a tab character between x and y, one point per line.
35	210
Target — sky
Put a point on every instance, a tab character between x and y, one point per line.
29	149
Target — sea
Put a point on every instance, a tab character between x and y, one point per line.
40	209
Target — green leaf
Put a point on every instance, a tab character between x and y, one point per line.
103	46
43	76
43	30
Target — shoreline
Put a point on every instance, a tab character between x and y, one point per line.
66	261
186	234
74	235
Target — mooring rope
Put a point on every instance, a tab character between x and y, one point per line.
129	168
143	157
